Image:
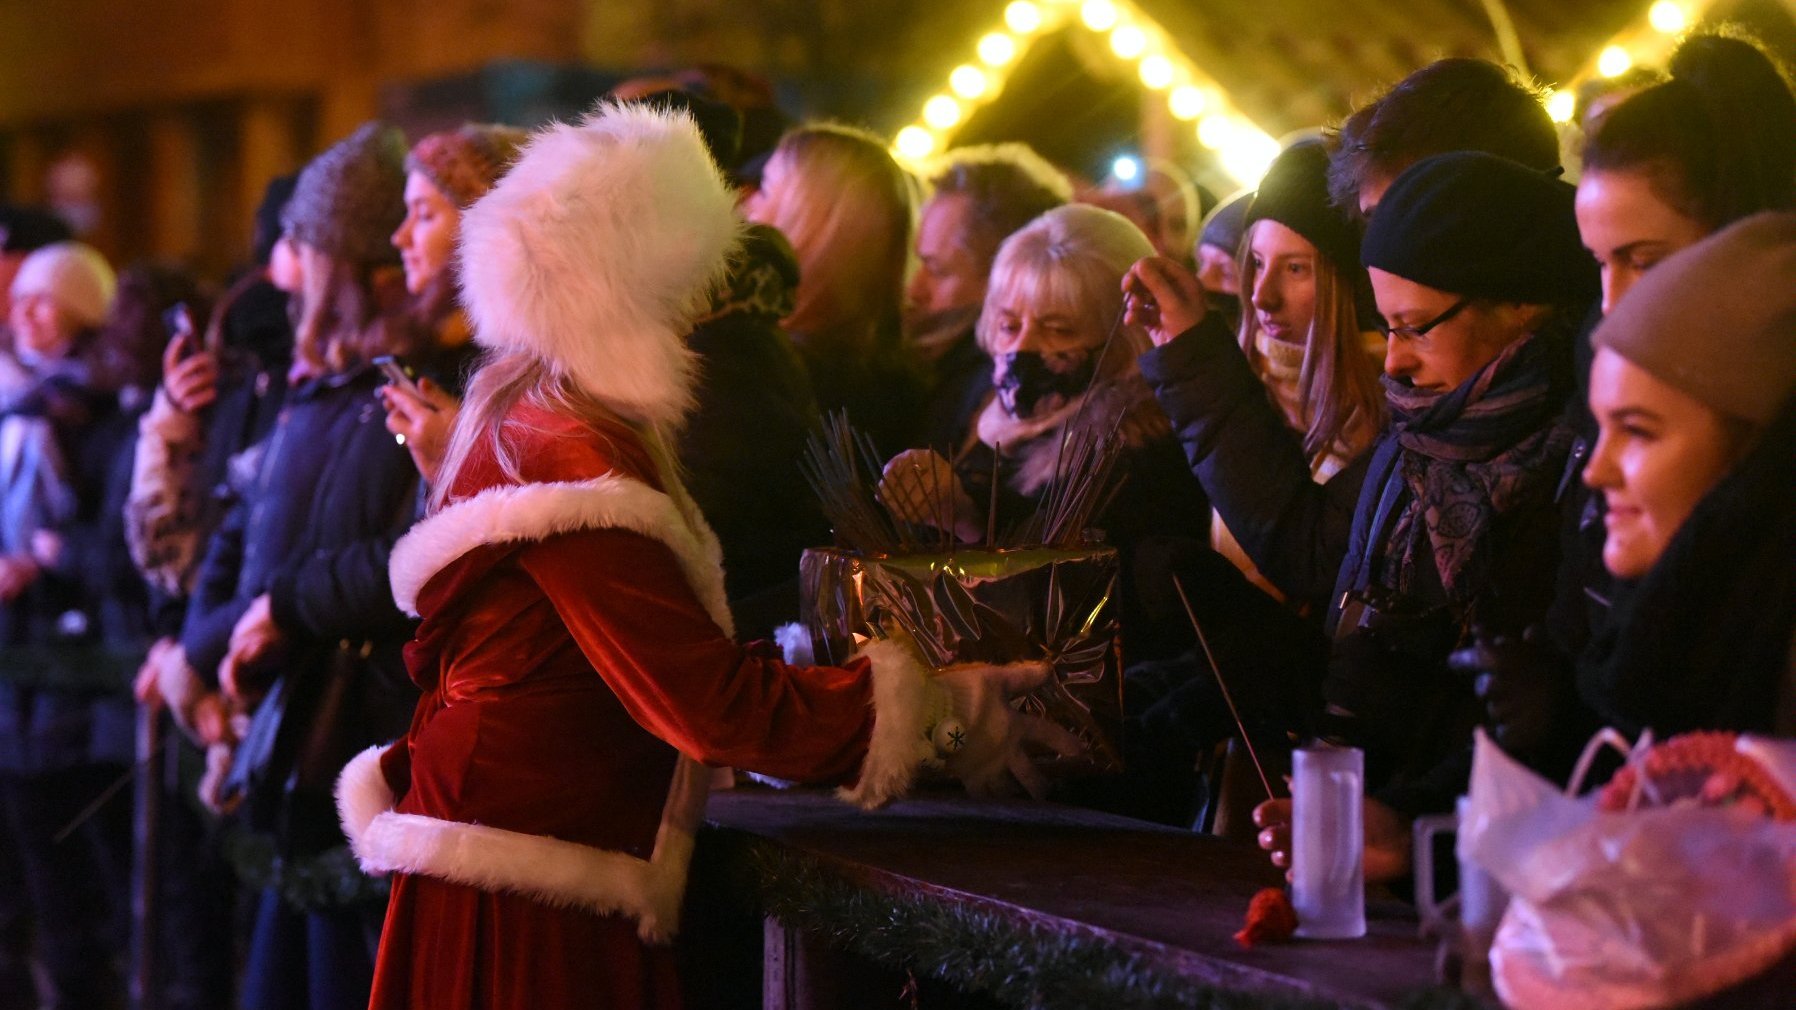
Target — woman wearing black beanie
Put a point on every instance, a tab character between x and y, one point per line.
1451	520
1307	315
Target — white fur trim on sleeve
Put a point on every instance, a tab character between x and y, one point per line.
899	745
558	873
529	512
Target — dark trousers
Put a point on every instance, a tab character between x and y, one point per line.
320	960
17	991
76	886
195	887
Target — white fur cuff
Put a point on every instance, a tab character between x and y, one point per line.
557	873
901	707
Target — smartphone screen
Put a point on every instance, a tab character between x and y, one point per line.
178	321
400	374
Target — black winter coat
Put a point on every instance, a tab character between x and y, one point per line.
883	392
962	382
332	494
1411	714
314	531
741	450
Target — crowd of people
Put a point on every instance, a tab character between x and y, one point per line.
442	537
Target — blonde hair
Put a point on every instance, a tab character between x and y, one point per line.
1339	398
1072	259
508	379
848	210
337	318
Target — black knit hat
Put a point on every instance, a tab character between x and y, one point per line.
719	124
1295	194
268	216
350	199
1477	225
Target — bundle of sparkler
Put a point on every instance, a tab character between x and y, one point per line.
843	468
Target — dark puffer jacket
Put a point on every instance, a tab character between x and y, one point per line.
313	531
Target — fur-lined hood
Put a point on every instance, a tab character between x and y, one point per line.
597	249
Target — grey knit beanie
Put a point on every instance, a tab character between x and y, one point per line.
350	199
1717	320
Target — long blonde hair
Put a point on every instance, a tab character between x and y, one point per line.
849	211
1340	401
507	379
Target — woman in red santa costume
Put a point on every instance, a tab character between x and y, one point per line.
575	649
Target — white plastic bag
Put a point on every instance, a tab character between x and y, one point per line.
1618	911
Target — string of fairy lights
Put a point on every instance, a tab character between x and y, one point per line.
1242	149
1647	42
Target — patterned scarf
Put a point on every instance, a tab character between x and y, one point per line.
1492	445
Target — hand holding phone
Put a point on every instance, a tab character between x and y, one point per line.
401	375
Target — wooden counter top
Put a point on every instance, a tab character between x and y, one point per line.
1162	905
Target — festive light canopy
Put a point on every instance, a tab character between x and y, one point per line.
1242	149
1646	43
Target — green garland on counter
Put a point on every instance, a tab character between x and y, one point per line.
330	879
1018	964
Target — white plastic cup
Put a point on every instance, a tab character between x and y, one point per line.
1328	842
1482	901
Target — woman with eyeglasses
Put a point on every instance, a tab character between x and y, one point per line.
1450	521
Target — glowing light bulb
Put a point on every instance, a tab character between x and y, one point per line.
915	143
1668	16
941	112
1561	105
1157	72
1248	155
1614	62
997	49
1099	15
1022	16
1126	169
968	81
1128	42
1187	101
1215	130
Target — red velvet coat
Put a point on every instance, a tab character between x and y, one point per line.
578	672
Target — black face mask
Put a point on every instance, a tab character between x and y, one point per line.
1029	382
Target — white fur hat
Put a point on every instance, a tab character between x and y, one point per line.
597	249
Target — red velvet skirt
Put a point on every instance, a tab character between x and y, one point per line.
451	947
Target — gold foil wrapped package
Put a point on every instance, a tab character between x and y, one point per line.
990	606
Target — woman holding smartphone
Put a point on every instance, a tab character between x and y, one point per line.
445	173
291	613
